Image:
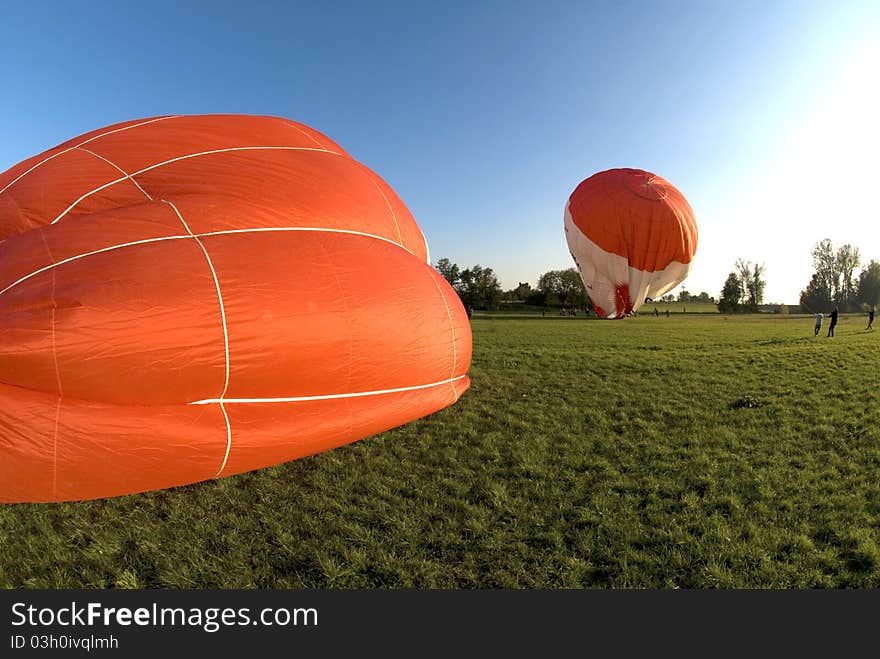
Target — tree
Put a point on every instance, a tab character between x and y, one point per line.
563	288
847	260
755	286
537	299
816	296
744	288
478	288
827	280
550	286
731	294
869	285
573	292
743	271
832	282
521	292
449	270
751	282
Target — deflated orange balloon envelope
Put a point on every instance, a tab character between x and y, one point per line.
189	297
632	235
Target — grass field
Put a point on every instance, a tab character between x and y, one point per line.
694	451
678	307
522	310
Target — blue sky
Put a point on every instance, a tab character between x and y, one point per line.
484	116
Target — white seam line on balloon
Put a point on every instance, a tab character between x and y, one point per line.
393	214
117	167
387	203
321	229
427	250
190	155
293	124
225	334
451	328
299	399
82	256
55	450
91	139
60	397
200	235
57	375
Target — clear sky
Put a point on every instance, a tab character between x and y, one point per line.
484	116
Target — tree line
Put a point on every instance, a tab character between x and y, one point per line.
478	288
743	290
834	283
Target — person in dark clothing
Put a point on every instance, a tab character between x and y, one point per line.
870	319
833	322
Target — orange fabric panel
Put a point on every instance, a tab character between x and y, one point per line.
104	450
27	340
86	450
410	234
128	319
637	215
28	252
330	191
309	427
27	445
43	195
175	137
107	450
125	330
87	138
324	312
273	186
8	178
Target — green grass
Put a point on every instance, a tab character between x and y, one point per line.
678	307
519	310
691	451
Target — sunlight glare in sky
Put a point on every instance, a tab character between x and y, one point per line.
822	183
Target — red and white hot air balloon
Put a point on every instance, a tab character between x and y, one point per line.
632	235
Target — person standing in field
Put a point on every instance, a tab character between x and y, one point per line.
870	319
833	322
819	318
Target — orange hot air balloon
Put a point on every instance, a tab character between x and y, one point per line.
632	235
189	297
